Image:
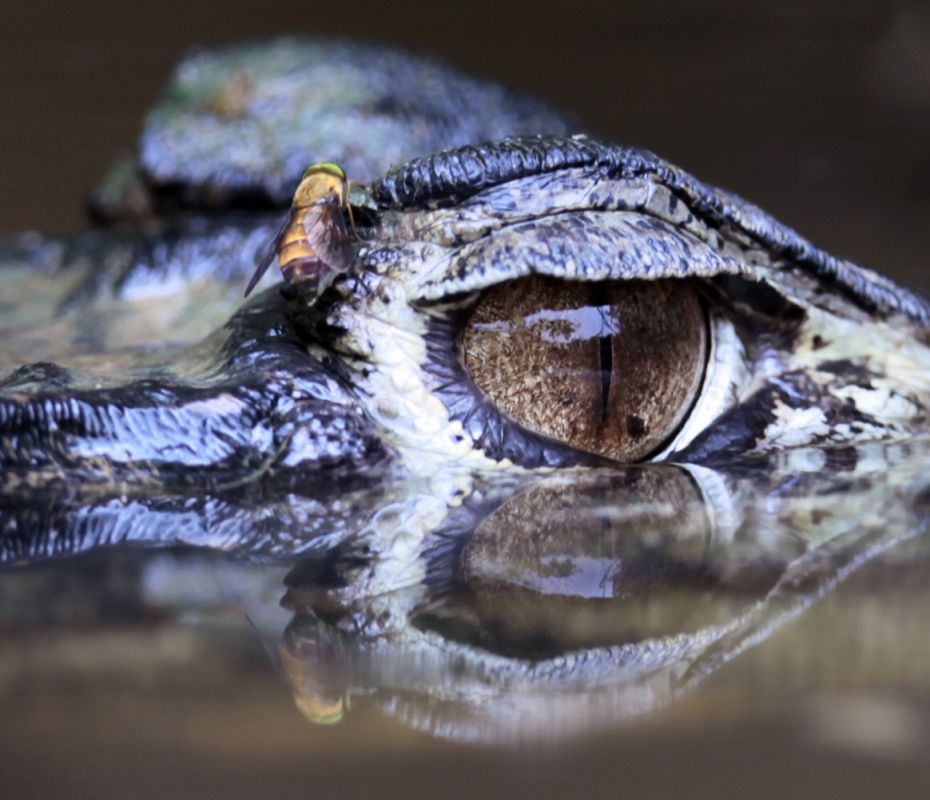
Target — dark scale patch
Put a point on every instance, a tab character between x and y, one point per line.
450	176
737	432
855	373
818	342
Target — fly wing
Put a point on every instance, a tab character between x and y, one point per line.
325	227
271	252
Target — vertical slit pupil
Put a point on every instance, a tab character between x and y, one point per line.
605	346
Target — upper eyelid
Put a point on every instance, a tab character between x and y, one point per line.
550	246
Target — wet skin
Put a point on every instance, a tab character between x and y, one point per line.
822	352
347	430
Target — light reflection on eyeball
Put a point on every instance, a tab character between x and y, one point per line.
611	368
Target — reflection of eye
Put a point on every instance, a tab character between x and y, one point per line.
611	368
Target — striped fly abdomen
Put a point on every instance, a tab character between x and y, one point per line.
313	244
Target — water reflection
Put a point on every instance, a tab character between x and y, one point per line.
582	602
540	608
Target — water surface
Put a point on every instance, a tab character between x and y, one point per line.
631	626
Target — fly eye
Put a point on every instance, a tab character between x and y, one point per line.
611	368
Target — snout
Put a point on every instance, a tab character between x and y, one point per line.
258	403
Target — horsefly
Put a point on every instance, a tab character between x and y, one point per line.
313	246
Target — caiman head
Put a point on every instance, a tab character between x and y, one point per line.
534	303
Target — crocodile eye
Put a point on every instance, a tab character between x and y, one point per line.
611	368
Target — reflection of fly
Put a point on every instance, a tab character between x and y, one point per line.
313	244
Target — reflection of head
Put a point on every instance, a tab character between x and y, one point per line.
583	601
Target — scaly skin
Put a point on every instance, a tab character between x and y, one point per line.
842	366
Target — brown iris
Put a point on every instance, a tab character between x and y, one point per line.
612	368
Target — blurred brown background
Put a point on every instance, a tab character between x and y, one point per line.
819	110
